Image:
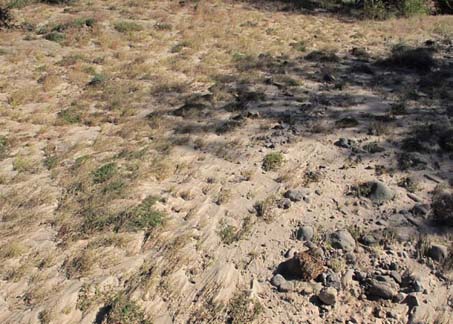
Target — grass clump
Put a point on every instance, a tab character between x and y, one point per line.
121	309
142	217
243	310
22	164
55	37
69	116
3	145
127	27
104	173
273	161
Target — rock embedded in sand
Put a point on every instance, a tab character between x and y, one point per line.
379	191
342	239
281	283
382	287
438	252
305	233
294	195
328	295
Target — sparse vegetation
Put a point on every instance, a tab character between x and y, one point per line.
273	161
128	27
121	309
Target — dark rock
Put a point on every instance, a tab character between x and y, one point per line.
350	258
305	233
284	203
294	195
369	240
380	192
438	252
346	143
328	295
382	287
303	265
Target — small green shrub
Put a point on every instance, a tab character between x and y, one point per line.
18	4
273	161
243	309
141	217
55	37
22	164
69	116
228	234
50	161
127	27
104	173
414	7
122	310
97	79
3	145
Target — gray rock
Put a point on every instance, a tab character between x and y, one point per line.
382	287
380	192
396	276
369	239
284	203
305	233
328	295
350	258
342	239
331	279
438	252
290	253
277	280
346	143
285	286
346	281
411	300
294	195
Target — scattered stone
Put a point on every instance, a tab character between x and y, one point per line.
438	252
294	195
290	253
328	295
277	280
347	280
379	191
411	300
350	258
331	279
382	287
305	233
284	203
369	240
303	265
346	143
420	210
342	239
281	283
396	276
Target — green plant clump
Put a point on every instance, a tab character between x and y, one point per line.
273	161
